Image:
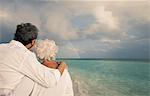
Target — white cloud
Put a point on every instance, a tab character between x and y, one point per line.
27	13
107	32
59	24
3	15
106	40
68	50
22	14
105	17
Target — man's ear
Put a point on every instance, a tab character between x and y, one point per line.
33	42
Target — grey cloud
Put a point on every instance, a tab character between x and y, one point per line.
139	30
140	50
6	32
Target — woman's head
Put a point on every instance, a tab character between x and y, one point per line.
46	49
26	33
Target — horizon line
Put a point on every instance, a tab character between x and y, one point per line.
147	59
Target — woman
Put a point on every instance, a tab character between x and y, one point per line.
46	51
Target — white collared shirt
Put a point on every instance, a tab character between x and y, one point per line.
16	61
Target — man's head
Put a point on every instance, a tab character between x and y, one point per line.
26	33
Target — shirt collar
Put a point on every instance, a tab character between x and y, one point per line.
17	43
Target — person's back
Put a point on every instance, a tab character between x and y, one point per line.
11	57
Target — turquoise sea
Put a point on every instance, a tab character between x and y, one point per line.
110	77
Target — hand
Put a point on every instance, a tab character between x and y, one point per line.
62	66
50	64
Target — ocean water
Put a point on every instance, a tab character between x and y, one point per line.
110	77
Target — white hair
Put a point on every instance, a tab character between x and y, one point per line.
46	49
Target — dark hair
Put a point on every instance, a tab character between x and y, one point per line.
25	33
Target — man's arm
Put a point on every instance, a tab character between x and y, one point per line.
38	72
61	66
50	64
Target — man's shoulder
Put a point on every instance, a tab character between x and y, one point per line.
3	44
31	54
3	47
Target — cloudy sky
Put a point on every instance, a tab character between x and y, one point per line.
84	29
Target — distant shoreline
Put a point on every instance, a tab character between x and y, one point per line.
120	59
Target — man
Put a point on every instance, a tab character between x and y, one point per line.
18	62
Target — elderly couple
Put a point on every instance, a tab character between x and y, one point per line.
28	66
